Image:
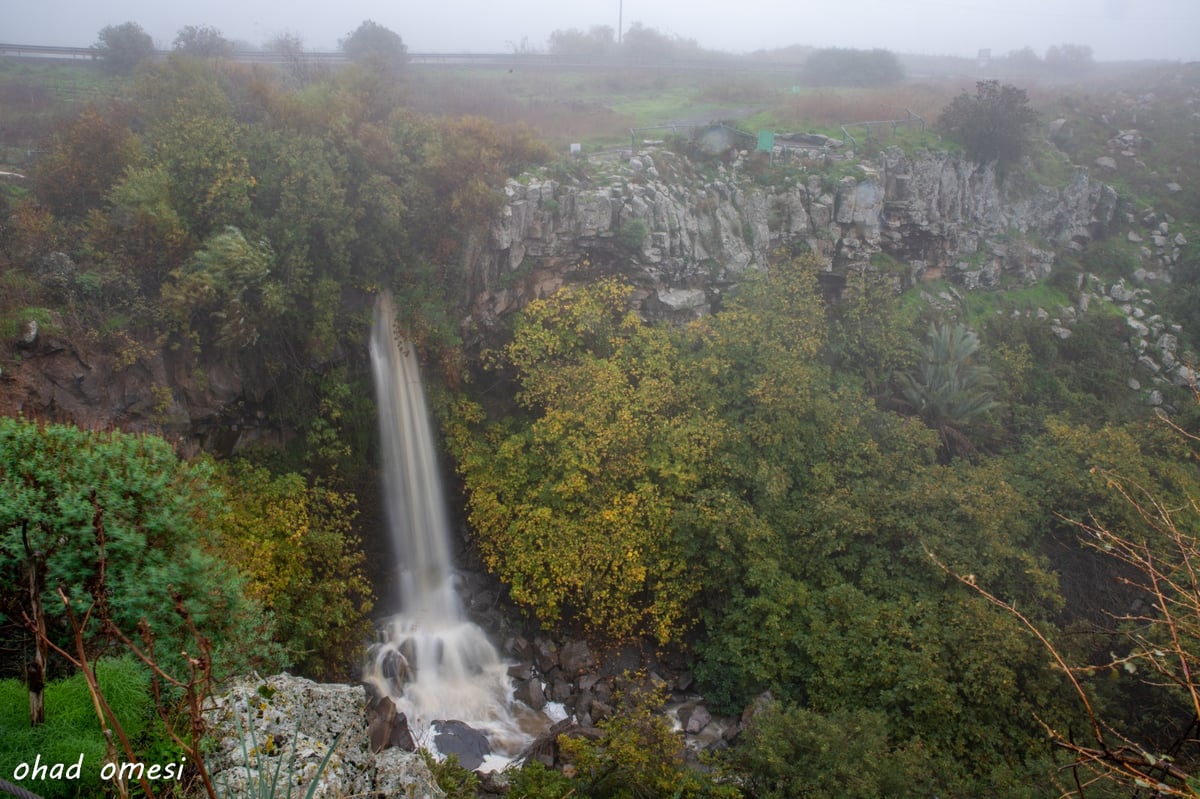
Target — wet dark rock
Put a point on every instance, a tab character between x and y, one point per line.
545	749
600	711
757	705
530	692
582	703
696	718
545	654
576	658
463	741
520	648
395	668
493	783
521	671
388	727
588	681
626	658
560	690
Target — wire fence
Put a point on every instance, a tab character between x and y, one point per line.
911	120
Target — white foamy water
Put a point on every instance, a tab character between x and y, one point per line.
433	662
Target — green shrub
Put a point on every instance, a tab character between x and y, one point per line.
789	751
631	234
535	781
457	782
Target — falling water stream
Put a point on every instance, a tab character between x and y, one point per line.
432	661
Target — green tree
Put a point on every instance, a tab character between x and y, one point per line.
376	46
202	41
995	125
122	47
1069	58
141	235
158	515
637	755
788	751
599	42
867	333
846	67
189	129
290	47
948	389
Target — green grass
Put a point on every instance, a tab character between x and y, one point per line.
11	323
71	727
975	307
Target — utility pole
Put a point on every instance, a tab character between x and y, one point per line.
620	20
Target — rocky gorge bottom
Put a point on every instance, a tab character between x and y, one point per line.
282	728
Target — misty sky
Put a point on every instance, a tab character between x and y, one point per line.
1115	29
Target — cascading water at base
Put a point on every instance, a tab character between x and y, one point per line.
432	662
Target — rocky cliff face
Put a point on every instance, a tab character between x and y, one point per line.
60	375
682	232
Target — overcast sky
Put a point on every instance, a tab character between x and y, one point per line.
1115	29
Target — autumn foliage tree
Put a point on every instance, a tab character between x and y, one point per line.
576	508
85	159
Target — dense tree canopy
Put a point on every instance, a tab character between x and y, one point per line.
375	45
122	47
845	67
202	41
994	125
721	473
158	517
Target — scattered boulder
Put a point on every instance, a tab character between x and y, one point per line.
28	335
545	654
530	692
462	740
387	726
694	717
576	659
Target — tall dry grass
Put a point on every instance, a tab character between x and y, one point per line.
820	108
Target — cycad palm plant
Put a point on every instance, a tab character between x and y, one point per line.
948	390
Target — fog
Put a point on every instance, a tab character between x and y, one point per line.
1115	29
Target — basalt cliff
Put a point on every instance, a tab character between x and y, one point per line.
682	232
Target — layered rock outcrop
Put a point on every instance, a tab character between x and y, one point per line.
681	232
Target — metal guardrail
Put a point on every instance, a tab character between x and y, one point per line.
430	58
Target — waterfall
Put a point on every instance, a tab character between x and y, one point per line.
416	510
432	662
